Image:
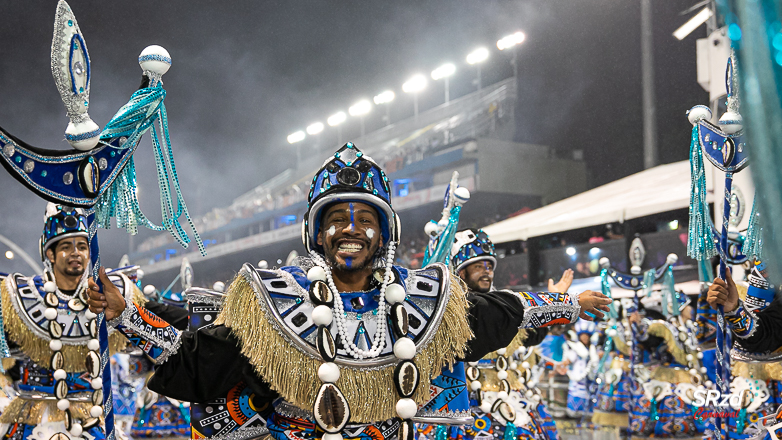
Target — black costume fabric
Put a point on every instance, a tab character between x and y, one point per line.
176	316
209	362
768	330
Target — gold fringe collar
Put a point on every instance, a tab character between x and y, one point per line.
31	412
515	344
369	391
661	330
764	372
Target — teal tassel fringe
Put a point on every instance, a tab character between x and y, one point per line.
670	297
440	432
605	288
705	271
510	431
443	243
120	200
753	244
700	242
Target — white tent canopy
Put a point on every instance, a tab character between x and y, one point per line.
660	189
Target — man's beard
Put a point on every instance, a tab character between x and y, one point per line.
73	272
332	261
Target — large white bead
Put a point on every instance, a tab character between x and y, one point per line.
50	313
700	355
96	411
611	332
263	264
155	65
149	289
55	345
81	129
688	357
89	315
502	351
525	365
60	374
49	287
93	344
462	195
139	274
485	407
406	408
335	436
430	228
502	375
404	348
731	122
475	385
322	315
698	113
328	372
218	286
76	430
96	383
513	365
63	404
502	395
316	274
529	393
395	293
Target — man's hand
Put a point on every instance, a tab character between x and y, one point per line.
634	318
564	283
108	301
723	293
593	302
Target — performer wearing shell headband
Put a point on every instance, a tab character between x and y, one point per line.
46	317
344	343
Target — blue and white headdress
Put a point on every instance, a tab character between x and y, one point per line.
62	222
349	176
470	246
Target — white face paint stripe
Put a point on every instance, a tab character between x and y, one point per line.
332	230
370	233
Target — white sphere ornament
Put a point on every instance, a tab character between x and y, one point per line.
521	350
76	430
604	262
462	195
485	407
731	122
49	287
472	364
55	345
84	135
703	370
317	273
50	313
404	348
155	59
708	384
263	264
688	357
536	398
395	293
406	408
89	315
63	404
502	375
93	344
525	365
502	395
611	332
671	259
529	393
334	436
501	351
139	274
700	355
149	289
698	113
430	228
322	315
328	372
96	411
513	365
60	374
475	385
694	372
218	286
96	383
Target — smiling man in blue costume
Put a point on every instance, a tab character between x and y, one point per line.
344	344
53	336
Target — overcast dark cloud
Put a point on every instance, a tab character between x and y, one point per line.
246	74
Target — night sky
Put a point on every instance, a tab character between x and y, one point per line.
246	74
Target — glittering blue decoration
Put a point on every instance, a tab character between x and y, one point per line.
154	57
441	251
121	201
700	244
440	432
83	136
510	431
753	244
605	289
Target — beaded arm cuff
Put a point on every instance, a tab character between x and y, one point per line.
542	309
157	338
743	322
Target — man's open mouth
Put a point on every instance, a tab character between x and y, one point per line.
350	248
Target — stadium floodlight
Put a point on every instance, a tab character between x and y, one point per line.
336	119
315	128
9	255
478	56
511	40
384	97
443	71
693	23
296	137
360	108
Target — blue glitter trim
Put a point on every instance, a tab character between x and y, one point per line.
154	57
83	136
83	48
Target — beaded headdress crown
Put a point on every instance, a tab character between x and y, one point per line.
62	222
470	246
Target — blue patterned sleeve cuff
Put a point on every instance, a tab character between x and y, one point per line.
157	338
543	309
743	322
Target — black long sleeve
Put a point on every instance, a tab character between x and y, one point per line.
535	336
767	336
494	318
176	316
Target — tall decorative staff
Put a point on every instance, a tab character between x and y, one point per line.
100	175
725	146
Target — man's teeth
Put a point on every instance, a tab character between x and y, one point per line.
350	247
